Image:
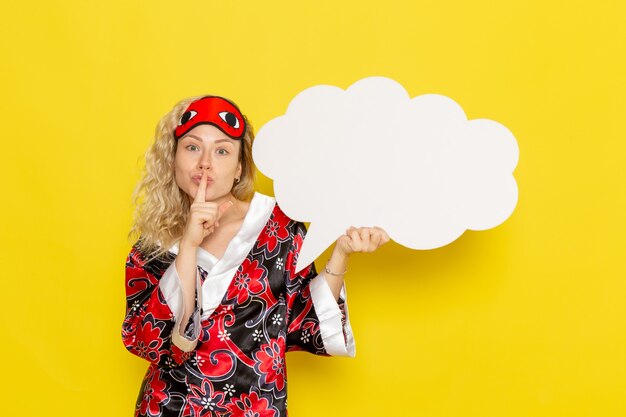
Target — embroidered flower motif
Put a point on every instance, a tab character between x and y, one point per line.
223	335
249	280
279	263
251	405
169	362
141	349
305	336
275	231
270	364
229	389
276	318
154	394
207	403
197	360
204	401
257	335
148	346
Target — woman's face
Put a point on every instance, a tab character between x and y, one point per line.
206	148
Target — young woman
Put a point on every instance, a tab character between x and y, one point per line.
213	300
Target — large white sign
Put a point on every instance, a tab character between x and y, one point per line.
373	156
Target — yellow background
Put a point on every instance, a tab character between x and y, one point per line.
527	319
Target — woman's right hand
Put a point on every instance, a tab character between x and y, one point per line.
203	216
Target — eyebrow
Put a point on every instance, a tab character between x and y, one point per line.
217	141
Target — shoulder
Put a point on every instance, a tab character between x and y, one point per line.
136	256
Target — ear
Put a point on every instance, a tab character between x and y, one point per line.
239	169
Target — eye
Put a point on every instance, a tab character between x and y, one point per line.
188	115
192	147
222	151
229	118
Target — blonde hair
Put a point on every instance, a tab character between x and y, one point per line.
161	207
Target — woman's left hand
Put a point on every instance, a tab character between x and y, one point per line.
363	239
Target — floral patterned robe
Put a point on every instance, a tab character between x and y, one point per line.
251	308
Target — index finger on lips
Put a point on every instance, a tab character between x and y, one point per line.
201	194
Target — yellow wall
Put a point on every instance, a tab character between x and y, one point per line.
527	319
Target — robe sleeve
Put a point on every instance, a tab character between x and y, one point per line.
317	322
154	307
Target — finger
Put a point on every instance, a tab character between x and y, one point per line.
203	215
355	240
206	208
364	234
201	194
222	208
375	240
385	236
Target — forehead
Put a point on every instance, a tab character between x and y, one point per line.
209	134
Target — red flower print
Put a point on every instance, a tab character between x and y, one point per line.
249	280
154	393
275	231
270	364
148	341
251	405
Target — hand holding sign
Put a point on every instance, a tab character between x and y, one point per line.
372	156
363	239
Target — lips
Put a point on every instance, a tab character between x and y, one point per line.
196	180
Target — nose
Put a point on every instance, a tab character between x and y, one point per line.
205	161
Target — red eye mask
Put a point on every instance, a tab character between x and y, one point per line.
212	110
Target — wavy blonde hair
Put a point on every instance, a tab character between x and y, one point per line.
161	207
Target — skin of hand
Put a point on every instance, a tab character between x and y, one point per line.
362	239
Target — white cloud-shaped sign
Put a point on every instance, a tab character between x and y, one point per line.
373	156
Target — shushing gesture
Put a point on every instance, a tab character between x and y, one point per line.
203	216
